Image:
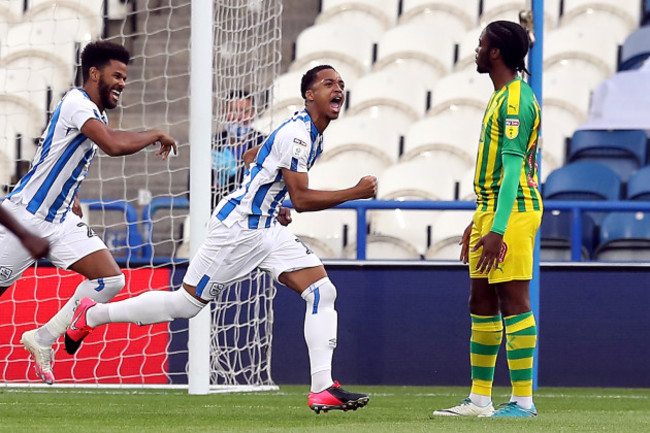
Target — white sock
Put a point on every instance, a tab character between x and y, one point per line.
155	306
100	290
320	331
525	402
480	400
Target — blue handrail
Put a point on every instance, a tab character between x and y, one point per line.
576	208
133	239
147	219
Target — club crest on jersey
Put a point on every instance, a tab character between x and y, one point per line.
5	273
512	128
216	289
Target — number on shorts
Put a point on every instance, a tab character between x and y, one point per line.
90	232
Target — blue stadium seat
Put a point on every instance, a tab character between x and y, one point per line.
555	236
638	186
624	151
635	49
583	181
624	236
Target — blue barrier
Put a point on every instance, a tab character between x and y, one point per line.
142	246
576	208
134	244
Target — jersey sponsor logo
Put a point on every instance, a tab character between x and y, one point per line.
512	128
299	148
5	273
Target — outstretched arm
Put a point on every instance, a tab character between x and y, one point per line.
305	199
37	246
118	143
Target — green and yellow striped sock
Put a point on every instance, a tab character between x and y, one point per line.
487	333
521	337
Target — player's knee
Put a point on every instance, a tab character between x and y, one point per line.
111	286
321	294
183	305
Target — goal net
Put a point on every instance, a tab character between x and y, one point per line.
139	204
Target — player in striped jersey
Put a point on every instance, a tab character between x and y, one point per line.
502	233
247	231
43	198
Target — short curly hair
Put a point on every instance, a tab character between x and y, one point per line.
99	53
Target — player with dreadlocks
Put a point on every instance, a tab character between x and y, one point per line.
499	242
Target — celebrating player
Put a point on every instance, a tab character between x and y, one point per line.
43	197
247	231
502	234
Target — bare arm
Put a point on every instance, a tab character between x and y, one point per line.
250	155
305	199
37	246
117	143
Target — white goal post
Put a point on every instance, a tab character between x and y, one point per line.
187	59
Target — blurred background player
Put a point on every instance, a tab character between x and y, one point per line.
502	234
247	231
233	141
43	197
37	246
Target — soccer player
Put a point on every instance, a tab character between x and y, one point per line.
43	197
247	231
502	233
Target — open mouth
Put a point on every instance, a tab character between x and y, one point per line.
115	95
336	103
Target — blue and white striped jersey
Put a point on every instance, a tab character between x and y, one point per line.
295	145
61	161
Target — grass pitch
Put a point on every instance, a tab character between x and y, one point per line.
391	409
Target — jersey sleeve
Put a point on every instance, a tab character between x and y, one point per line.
76	109
293	148
516	118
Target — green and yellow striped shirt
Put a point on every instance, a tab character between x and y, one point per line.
510	126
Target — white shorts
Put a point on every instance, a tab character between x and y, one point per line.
70	241
229	254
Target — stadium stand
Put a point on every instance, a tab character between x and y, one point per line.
325	232
417	52
363	137
555	236
348	50
446	233
638	186
452	133
422	178
622	101
384	247
449	17
619	17
464	91
286	100
583	181
373	17
386	92
635	49
509	10
624	151
413	226
624	236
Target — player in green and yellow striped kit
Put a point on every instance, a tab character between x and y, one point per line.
499	242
